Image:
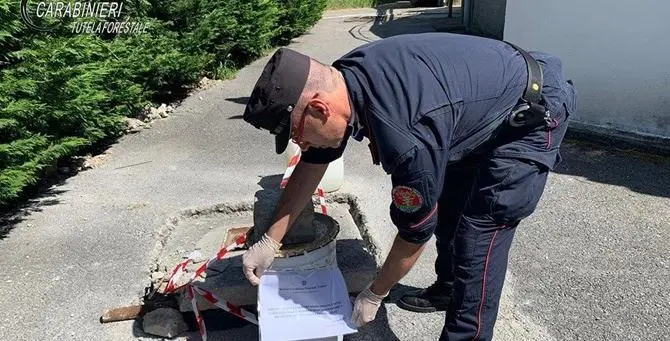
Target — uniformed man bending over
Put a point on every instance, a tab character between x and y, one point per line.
436	109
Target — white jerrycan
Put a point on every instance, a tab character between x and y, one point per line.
333	178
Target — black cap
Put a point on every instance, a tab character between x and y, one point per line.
276	93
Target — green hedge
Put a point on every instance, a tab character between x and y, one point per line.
62	93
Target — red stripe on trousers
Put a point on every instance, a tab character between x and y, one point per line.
483	299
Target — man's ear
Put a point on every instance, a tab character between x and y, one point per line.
318	108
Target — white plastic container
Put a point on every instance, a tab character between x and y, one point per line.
333	178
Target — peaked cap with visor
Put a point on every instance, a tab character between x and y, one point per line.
276	94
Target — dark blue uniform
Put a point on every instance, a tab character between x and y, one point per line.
434	107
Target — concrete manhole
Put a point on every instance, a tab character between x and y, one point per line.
201	233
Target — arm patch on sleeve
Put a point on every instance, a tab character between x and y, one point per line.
407	199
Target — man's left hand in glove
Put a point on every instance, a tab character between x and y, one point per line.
366	306
399	261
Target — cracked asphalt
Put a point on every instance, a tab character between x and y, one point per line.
592	263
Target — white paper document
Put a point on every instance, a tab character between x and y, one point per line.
303	305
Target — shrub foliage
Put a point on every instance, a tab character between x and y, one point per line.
63	92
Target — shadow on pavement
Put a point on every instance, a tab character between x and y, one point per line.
641	173
11	216
45	191
270	182
398	291
390	22
239	100
220	326
379	330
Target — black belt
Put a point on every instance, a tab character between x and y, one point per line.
530	113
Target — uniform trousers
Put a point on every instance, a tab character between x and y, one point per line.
483	202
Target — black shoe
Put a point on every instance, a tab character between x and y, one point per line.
434	298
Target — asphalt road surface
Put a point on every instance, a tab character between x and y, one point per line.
591	264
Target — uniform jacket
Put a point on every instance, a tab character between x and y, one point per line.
431	99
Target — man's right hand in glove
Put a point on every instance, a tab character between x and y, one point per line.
295	196
259	257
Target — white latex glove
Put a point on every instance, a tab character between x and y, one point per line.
366	306
258	258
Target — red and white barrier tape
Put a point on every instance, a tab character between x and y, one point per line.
289	170
178	271
322	201
221	254
235	310
198	317
287	175
176	281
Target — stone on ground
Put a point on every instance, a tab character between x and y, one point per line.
164	322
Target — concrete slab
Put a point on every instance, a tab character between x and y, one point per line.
202	234
205	234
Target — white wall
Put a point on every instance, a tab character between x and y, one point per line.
617	53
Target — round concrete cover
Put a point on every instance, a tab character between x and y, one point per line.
305	236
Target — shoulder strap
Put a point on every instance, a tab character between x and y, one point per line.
533	92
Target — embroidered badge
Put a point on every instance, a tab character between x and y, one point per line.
407	199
